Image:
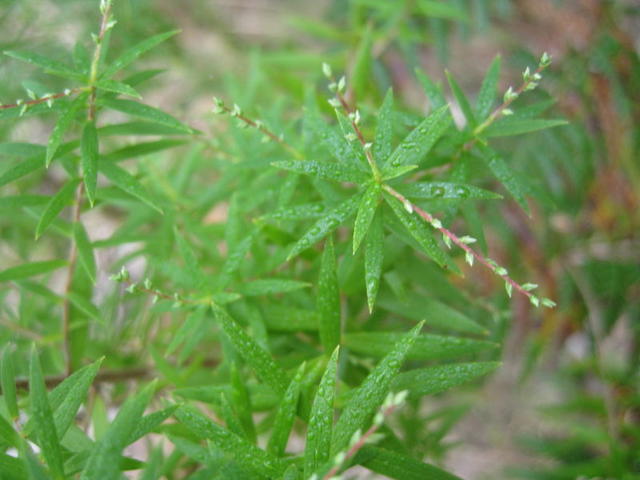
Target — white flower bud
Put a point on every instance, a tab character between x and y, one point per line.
326	70
468	256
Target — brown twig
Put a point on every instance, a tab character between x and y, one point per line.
235	112
45	99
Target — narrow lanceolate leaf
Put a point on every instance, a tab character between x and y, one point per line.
45	428
325	225
426	347
446	191
30	270
237	253
373	258
104	460
8	381
368	397
14	202
242	402
270	286
505	175
318	446
328	302
59	201
398	466
432	380
117	87
127	182
145	112
437	9
435	313
394	172
242	452
384	130
418	143
256	357
49	65
21	149
85	250
131	54
488	90
8	435
334	141
89	150
433	91
328	170
420	232
67	397
285	415
21	169
516	126
462	100
366	211
297	212
67	116
150	422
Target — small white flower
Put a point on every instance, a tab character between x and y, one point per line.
326	70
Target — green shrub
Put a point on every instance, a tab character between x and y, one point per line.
288	276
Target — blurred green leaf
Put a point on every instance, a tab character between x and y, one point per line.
432	380
90	152
127	182
328	301
131	54
58	202
325	225
145	112
421	139
256	357
27	270
366	211
45	428
286	414
369	395
104	459
488	90
318	444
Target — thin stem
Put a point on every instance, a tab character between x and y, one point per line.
431	220
95	62
499	111
45	99
354	125
508	101
68	287
79	197
260	127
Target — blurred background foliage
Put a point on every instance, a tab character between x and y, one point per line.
566	404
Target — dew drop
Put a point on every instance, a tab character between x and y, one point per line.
437	191
462	192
